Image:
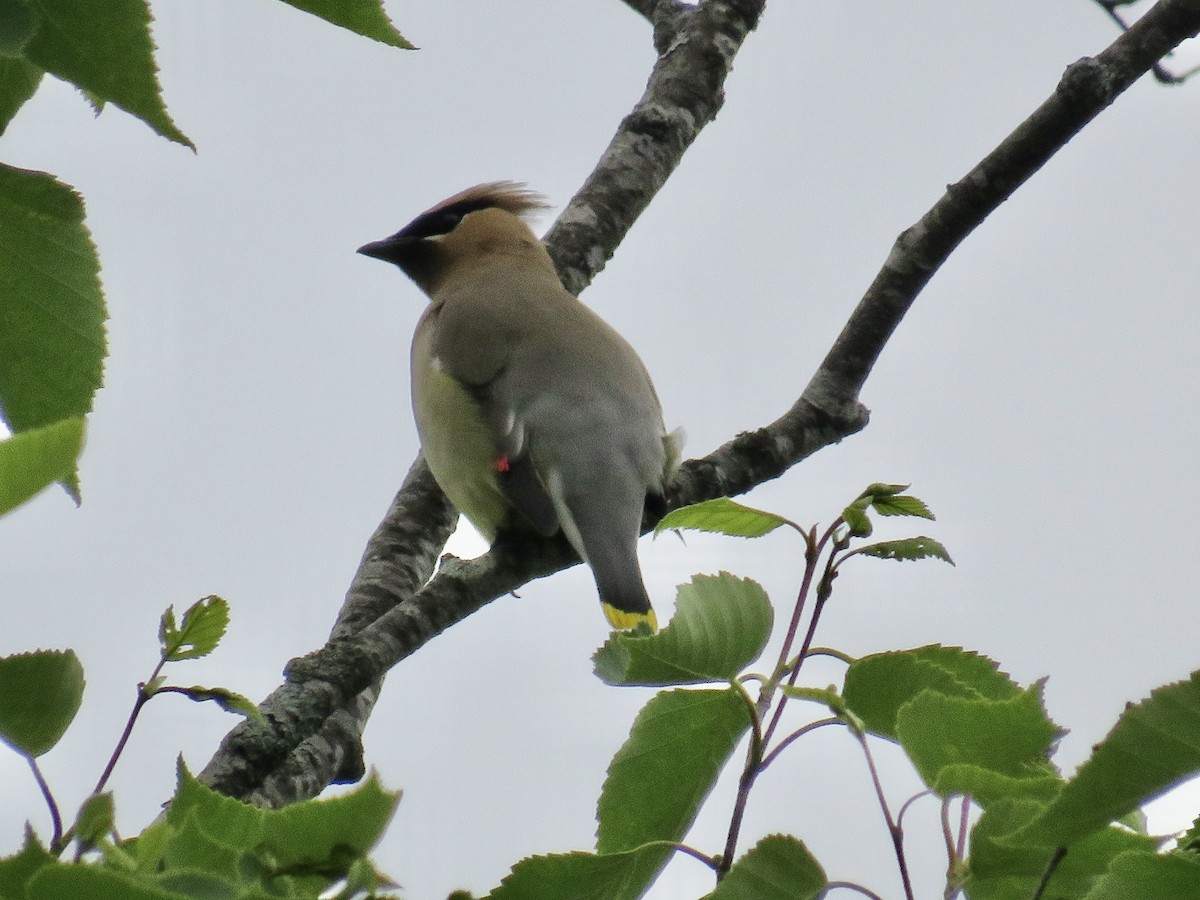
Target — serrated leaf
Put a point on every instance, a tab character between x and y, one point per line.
365	17
986	787
203	626
51	305
200	885
309	844
17	26
226	699
721	625
997	871
721	516
190	846
876	686
39	695
580	876
79	882
364	878
857	521
779	867
901	505
19	79
33	460
1148	876
1154	746
16	871
1013	737
919	547
340	828
679	743
238	824
880	490
95	820
105	50
1190	839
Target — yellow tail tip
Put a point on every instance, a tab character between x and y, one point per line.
621	620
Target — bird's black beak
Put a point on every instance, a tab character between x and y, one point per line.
378	249
395	249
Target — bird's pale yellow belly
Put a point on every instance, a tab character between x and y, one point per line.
458	448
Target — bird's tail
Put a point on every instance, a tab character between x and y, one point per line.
622	620
623	594
605	535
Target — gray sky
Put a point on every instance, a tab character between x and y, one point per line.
255	423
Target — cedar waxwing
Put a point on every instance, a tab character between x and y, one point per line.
532	411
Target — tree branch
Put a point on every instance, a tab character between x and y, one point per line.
312	721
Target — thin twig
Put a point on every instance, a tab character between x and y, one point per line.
964	822
44	787
796	735
687	851
750	771
142	699
894	830
823	591
908	803
948	832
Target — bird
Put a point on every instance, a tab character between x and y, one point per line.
533	412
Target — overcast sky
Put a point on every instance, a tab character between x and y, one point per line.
1041	396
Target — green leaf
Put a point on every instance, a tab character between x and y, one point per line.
80	882
1013	737
721	625
40	693
19	78
721	516
657	781
1148	876
200	885
779	867
365	17
17	26
998	871
978	672
51	306
881	491
95	820
15	871
105	50
363	878
988	787
308	845
190	847
203	626
1154	746
35	459
877	686
579	876
237	824
321	831
226	699
1190	839
919	547
857	521
901	505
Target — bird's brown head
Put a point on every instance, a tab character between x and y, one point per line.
486	218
